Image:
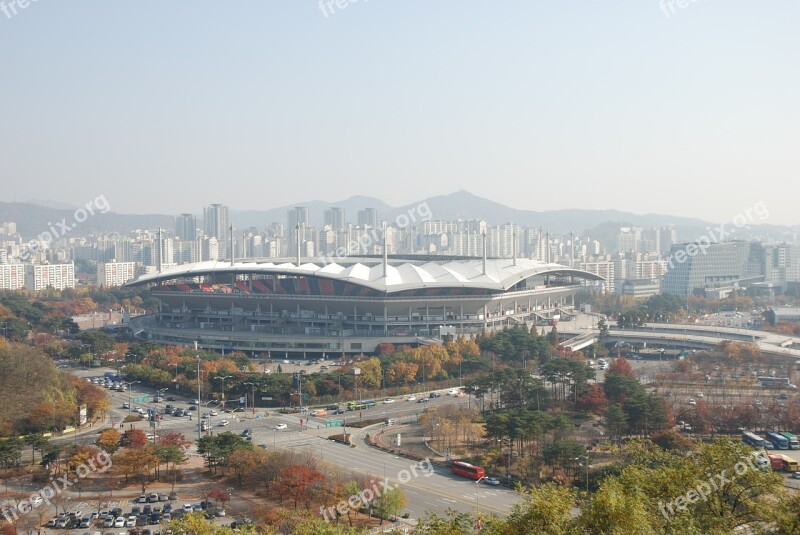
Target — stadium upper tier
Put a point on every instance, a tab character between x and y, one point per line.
500	275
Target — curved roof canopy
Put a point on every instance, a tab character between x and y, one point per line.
501	274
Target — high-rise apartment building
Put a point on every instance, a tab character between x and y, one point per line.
56	276
186	227
111	274
368	217
12	276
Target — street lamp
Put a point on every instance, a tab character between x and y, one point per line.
176	364
253	389
130	391
199	420
587	472
222	378
477	506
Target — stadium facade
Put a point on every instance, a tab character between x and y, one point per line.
351	306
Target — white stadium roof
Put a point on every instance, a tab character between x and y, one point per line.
501	274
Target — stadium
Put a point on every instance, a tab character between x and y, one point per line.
349	307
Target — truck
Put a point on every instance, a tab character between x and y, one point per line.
794	444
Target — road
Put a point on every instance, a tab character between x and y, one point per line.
435	490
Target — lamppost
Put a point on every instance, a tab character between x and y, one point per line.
176	364
222	378
477	506
578	458
130	391
199	420
253	389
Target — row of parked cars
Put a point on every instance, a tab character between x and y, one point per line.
146	514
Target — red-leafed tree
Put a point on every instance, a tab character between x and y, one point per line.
134	438
173	438
298	483
594	400
621	366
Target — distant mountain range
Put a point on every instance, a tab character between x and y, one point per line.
602	225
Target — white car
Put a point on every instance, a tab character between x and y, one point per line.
692	402
453	392
387	401
223	423
213	413
119	522
281	426
411	398
131	522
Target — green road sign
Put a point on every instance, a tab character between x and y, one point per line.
140	399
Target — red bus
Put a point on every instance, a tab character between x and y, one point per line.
468	470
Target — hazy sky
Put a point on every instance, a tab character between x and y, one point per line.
167	106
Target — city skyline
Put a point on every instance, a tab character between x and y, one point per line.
650	107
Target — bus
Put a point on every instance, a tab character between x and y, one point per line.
358	405
775	461
789	464
751	439
793	442
779	442
467	470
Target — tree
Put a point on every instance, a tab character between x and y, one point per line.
545	510
390	503
594	400
297	482
134	438
135	463
109	440
36	441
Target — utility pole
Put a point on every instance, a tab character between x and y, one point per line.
199	420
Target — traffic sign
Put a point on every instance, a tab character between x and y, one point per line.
140	399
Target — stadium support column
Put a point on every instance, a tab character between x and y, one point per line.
233	249
483	235
297	242
514	245
159	248
385	254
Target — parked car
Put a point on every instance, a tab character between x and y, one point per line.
172	496
119	522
